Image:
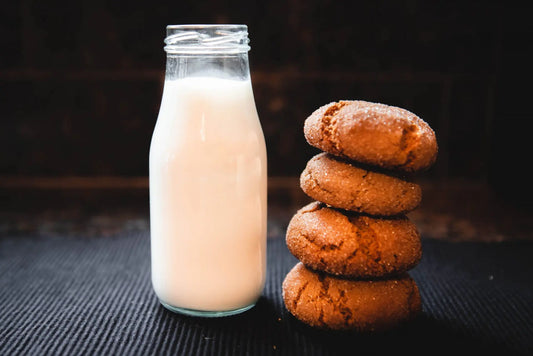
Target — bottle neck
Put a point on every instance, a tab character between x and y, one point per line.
233	66
219	51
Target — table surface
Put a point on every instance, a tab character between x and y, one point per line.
93	295
75	279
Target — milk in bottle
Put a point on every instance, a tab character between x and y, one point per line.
208	176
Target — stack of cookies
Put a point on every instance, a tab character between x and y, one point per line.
354	243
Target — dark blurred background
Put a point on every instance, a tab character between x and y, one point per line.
81	82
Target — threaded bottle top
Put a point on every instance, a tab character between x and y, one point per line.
207	39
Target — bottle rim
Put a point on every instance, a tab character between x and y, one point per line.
207	39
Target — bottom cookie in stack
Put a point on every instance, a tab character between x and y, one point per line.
352	269
325	301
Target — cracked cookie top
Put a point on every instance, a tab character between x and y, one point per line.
372	133
351	244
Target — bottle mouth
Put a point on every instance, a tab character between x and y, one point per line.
207	39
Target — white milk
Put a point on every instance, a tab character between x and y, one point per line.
208	196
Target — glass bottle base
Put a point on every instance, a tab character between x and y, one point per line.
206	313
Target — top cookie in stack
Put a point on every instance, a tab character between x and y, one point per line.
376	134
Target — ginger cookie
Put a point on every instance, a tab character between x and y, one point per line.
372	133
324	301
345	185
353	245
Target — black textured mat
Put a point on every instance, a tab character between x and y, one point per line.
93	296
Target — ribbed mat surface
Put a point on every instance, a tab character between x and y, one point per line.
92	296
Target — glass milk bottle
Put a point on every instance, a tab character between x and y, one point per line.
208	176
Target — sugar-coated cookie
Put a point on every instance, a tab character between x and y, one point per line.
374	134
353	245
343	184
324	301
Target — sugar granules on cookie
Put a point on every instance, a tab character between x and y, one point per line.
355	244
